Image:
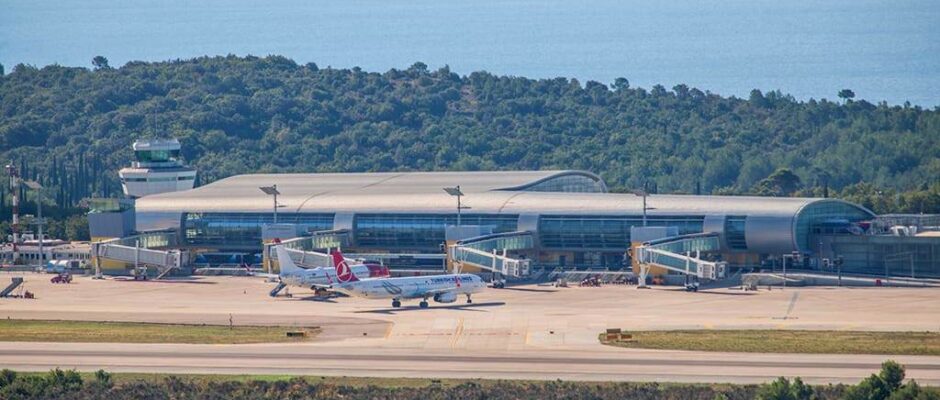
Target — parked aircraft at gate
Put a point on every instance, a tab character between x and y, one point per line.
441	288
320	279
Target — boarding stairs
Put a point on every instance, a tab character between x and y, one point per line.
681	254
17	281
277	289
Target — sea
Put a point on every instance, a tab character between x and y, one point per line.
882	50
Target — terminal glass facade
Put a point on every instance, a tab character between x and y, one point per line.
242	230
735	233
420	231
604	233
568	184
822	212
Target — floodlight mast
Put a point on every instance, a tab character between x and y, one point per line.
455	191
15	192
272	191
642	193
39	221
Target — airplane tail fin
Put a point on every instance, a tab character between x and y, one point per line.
284	260
343	272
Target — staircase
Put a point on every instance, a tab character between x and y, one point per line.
277	289
17	281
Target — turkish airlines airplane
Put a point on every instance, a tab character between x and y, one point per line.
441	288
320	279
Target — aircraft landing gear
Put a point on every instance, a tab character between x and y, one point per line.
396	303
469	300
423	304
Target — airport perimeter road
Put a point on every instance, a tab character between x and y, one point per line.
598	364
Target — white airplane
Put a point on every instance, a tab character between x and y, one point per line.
441	288
320	279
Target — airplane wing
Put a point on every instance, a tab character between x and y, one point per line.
597	273
232	270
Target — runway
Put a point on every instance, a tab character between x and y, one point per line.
600	364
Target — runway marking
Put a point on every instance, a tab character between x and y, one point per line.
796	295
457	332
793	299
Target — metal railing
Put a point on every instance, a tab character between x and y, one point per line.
301	252
484	252
139	250
675	254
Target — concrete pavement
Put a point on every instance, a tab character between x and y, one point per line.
521	333
602	364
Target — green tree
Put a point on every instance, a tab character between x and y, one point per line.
846	94
6	377
783	389
782	182
621	84
100	62
268	114
103	378
888	384
76	227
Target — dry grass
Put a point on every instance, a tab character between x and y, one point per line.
134	332
786	341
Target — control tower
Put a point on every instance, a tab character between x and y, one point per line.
157	169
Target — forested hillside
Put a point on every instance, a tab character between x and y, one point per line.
72	128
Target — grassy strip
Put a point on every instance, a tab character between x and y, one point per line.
784	341
353	381
136	332
350	381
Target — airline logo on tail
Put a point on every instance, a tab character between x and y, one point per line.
343	272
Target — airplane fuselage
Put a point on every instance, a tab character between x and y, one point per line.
417	287
325	276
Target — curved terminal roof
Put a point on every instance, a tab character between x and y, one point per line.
421	192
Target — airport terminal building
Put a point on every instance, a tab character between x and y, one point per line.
574	221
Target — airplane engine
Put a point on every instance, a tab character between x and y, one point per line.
445	297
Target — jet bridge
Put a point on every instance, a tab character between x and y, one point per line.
302	251
488	252
141	251
306	252
681	254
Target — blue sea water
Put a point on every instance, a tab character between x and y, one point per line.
883	50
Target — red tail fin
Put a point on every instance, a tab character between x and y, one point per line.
343	272
377	271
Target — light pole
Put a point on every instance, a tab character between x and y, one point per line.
272	191
15	194
642	193
455	191
794	256
39	221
